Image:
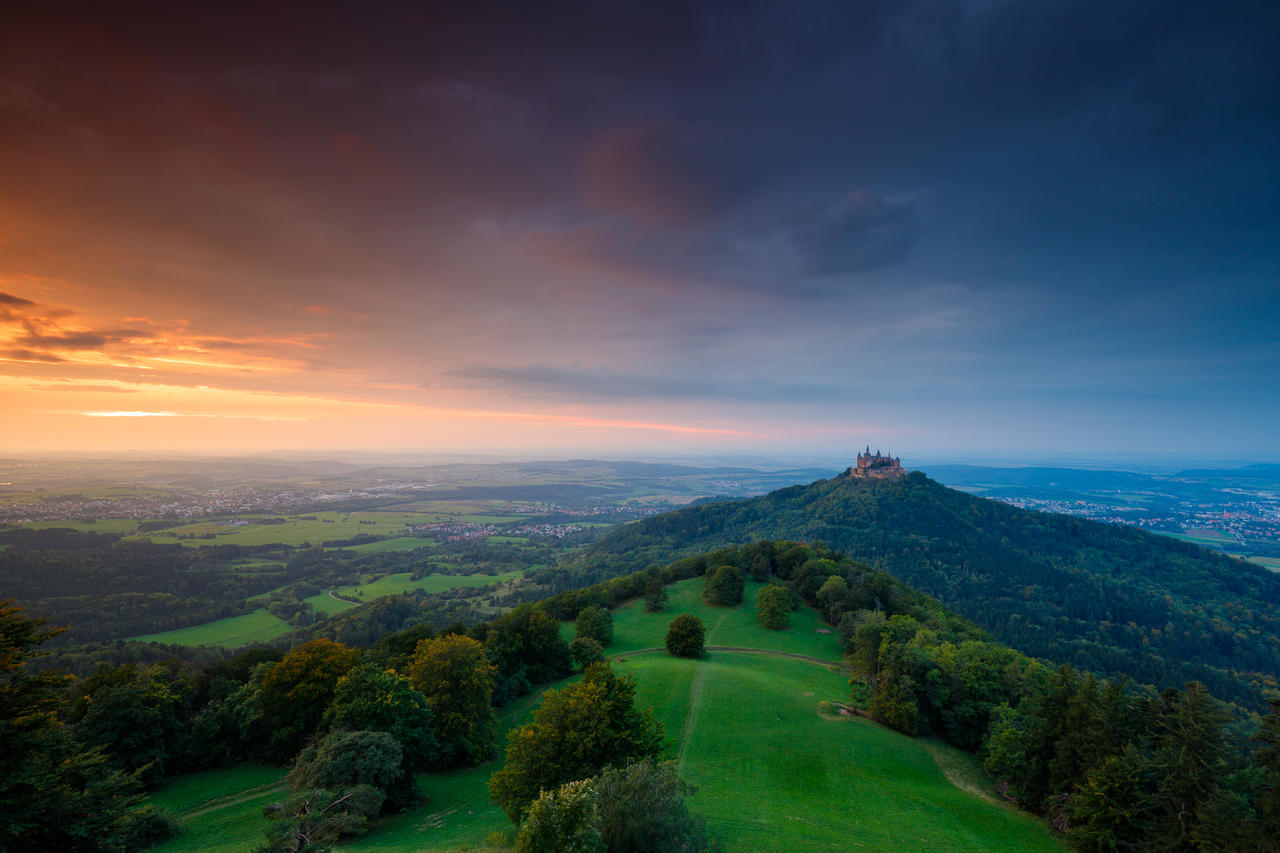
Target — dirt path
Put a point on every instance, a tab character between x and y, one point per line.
695	700
243	796
742	650
337	597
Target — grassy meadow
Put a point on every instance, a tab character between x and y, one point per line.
774	771
232	632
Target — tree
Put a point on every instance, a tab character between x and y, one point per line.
685	636
655	594
369	698
563	820
641	809
344	760
454	674
724	586
526	647
831	595
575	733
595	623
772	604
55	795
1189	762
1266	762
586	651
139	715
296	691
636	809
313	820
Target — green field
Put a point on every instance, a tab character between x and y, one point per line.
220	810
259	626
1267	562
403	582
313	528
232	632
399	543
101	525
773	773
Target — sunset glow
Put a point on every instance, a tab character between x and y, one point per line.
445	236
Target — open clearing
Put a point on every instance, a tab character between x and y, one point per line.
773	774
232	632
260	625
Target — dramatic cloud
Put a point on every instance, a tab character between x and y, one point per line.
975	222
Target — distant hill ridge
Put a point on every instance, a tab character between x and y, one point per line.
1108	598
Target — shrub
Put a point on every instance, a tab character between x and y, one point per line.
685	636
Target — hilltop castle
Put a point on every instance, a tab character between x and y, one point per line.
877	465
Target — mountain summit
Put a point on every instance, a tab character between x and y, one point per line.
1112	599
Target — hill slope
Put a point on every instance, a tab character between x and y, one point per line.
773	773
1111	599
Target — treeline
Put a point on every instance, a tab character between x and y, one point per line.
1106	598
102	588
355	724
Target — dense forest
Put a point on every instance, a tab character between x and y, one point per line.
1105	598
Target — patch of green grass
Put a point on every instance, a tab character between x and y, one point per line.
314	528
325	603
774	775
403	582
232	632
633	628
1267	562
220	810
101	525
400	543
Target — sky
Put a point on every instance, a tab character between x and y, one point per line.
636	228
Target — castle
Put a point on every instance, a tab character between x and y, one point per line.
880	466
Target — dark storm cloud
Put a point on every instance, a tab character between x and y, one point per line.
674	119
1092	185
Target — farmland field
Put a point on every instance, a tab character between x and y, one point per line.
399	543
232	632
403	582
773	772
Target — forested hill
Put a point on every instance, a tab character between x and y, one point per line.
1108	598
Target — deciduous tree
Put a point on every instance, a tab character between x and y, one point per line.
296	691
369	698
772	604
685	636
724	586
596	623
575	733
455	675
